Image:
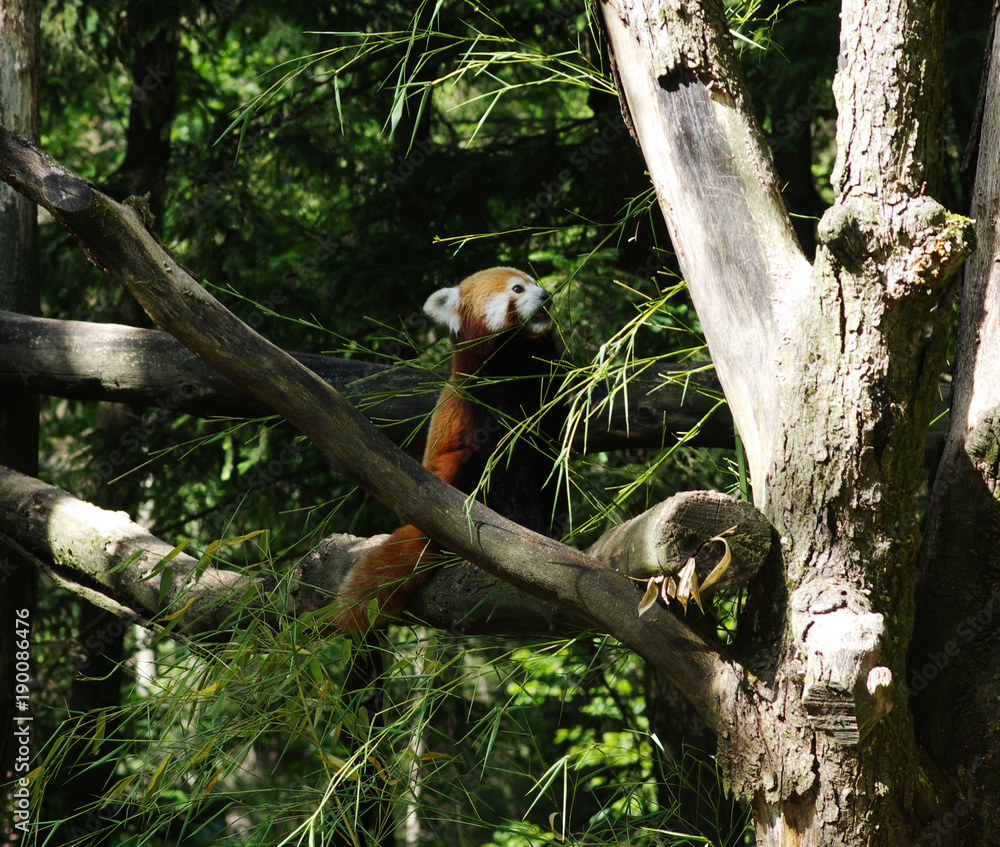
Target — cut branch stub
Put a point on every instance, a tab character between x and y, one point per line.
845	691
660	541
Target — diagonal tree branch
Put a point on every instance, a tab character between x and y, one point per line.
115	237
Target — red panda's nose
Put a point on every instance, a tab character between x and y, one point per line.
543	301
543	304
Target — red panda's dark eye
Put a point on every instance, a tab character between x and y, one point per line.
518	289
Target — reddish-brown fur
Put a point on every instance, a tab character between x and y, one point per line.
394	569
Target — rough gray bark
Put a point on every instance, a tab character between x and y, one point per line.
831	374
866	349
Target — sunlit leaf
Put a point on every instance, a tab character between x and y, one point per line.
652	593
155	779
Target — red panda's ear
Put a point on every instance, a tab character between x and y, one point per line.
442	305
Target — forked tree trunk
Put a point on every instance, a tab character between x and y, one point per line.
831	374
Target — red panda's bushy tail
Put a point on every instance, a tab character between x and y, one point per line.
389	574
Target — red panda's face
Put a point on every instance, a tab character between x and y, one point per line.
489	302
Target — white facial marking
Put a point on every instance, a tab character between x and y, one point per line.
495	314
442	305
529	303
526	296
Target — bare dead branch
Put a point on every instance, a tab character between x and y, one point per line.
683	90
125	364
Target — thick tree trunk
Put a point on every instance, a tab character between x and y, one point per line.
831	376
868	343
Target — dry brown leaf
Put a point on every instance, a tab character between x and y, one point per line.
723	565
652	592
687	584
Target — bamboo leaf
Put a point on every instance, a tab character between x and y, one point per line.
151	788
119	788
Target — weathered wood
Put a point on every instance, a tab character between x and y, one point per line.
125	364
866	347
458	597
845	691
91	546
89	361
719	195
661	540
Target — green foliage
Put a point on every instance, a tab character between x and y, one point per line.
474	743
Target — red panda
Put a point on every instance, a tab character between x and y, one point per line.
501	368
